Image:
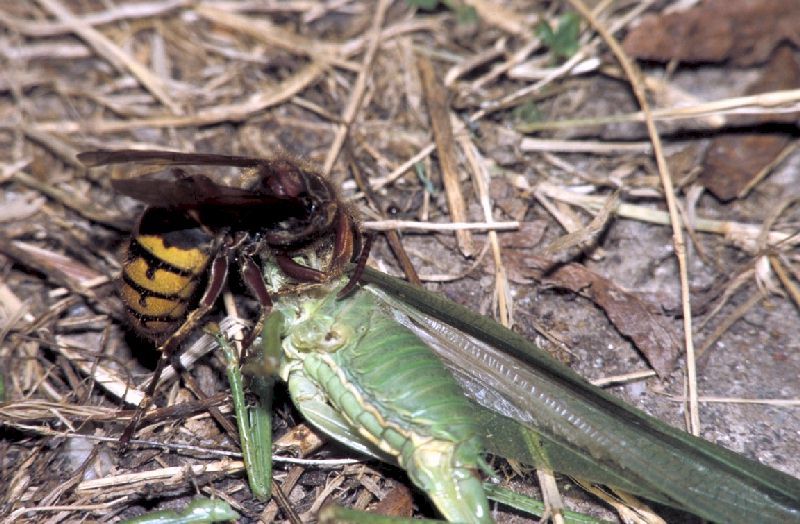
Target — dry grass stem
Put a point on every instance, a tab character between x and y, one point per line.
773	103
628	510
102	375
480	175
273	35
111	52
587	234
385	225
744	236
778	402
425	122
585	146
436	98
170	475
554	505
779	269
622	379
357	93
766	170
729	321
506	19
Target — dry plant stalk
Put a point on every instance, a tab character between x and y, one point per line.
436	97
249	77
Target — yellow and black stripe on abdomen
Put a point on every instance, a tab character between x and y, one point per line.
160	283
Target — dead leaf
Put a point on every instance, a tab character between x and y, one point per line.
397	503
585	235
782	72
20	208
742	31
299	439
56	265
528	235
632	316
733	160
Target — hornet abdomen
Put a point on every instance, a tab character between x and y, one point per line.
163	271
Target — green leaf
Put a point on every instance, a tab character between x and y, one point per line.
465	14
419	169
563	42
425	5
527	113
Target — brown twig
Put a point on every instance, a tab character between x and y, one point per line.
111	52
357	93
436	98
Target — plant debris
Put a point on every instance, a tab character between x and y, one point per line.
742	31
389	99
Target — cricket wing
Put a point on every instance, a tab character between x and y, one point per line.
541	412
